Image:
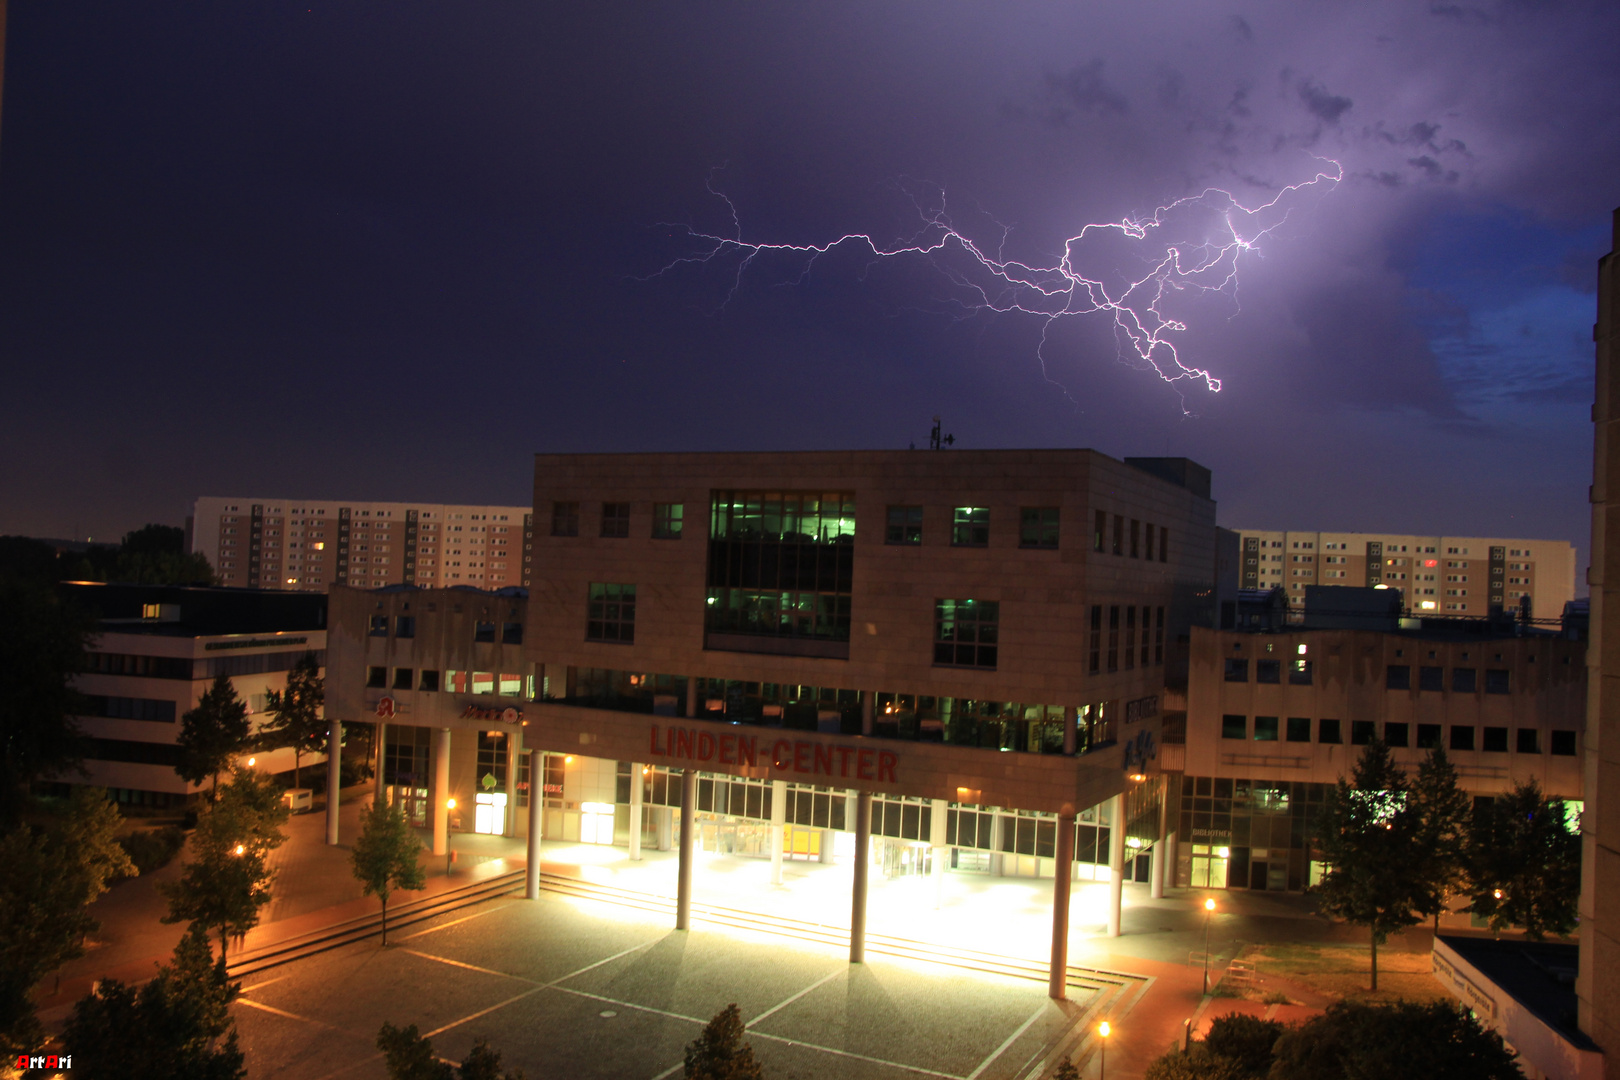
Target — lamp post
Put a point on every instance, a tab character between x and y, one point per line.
1103	1031
450	851
1209	909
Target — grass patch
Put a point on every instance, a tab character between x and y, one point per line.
1344	971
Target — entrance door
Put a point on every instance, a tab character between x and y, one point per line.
1209	867
1257	875
412	801
489	813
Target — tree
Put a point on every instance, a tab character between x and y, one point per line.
212	734
1443	816
716	1054
1526	863
410	1056
178	1024
1237	1047
1403	1041
1369	837
384	855
296	714
42	650
228	879
52	876
156	555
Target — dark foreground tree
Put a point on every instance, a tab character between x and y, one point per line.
295	714
1237	1047
1443	816
1404	1041
177	1025
213	734
42	650
719	1053
1369	838
1526	863
385	855
410	1056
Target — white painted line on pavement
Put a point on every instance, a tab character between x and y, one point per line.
1002	1049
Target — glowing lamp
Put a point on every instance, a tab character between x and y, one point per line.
1209	905
450	803
252	761
240	849
1104	1030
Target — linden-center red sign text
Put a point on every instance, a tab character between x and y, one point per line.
786	755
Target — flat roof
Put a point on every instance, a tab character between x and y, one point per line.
198	611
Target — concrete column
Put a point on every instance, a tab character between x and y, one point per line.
664	819
638	785
537	810
1170	860
997	859
778	823
1071	730
868	698
828	846
334	775
514	751
938	825
381	754
1062	876
441	792
683	892
691	697
857	909
1116	863
1156	866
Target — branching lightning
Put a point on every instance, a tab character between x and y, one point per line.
1193	244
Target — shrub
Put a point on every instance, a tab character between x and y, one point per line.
151	849
1246	1040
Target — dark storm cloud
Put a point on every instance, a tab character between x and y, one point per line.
1082	89
1323	105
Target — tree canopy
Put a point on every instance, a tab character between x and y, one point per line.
1526	863
409	1056
213	734
719	1053
385	855
42	650
1405	1041
1443	812
295	714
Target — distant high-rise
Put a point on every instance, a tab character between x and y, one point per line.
1447	575
308	545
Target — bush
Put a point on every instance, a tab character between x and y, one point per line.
1197	1064
1246	1040
1403	1041
151	849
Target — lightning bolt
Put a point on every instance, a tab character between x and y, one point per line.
1193	244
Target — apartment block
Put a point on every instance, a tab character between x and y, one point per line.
310	545
1447	575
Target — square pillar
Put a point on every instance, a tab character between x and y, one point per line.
638	787
1116	863
1071	730
868	699
537	803
691	697
334	775
778	827
441	791
938	826
381	754
514	748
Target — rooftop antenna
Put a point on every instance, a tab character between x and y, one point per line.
937	441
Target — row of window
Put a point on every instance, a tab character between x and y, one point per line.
175	667
1269	671
1122	631
506	684
1396	676
511	633
1141	538
129	708
1297	729
615	520
970	526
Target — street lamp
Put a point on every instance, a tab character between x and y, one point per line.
1209	909
1103	1031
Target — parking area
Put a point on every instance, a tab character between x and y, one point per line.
581	988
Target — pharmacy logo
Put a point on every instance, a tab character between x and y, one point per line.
25	1062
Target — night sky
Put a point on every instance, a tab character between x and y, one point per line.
389	251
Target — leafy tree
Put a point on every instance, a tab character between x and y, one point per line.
228	879
719	1052
384	855
295	712
410	1056
212	734
1404	1041
1197	1064
1443	817
178	1024
52	876
1522	848
1246	1041
156	555
42	649
1066	1071
1369	837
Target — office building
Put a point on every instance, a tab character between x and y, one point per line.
310	545
1446	575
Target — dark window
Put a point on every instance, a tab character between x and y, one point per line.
133	752
1147	623
1563	743
1136	539
1164	544
1395	734
129	708
403	678
970	526
1495	740
430	680
405	626
611	613
1038	527
484	631
1237	669
1528	741
1267	671
1398	677
376	677
565	519
379	626
667	520
1496	681
1362	732
1428	736
1119	534
1299	672
176	667
1147	545
1234	727
1462	680
1099	531
1130	637
1113	637
1462	736
511	633
781	564
965	633
1431	678
905	525
1158	638
1299	729
1327	731
1265	729
616	519
1096	638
